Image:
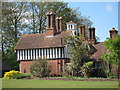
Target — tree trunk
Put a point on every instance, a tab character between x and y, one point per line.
110	69
16	31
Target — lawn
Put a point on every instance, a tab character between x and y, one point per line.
24	83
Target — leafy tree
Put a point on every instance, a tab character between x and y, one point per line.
37	15
79	53
40	68
12	15
113	55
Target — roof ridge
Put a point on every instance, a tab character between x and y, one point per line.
31	34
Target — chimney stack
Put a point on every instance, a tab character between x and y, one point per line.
113	32
91	37
59	24
82	31
50	28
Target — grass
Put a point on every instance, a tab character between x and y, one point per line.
24	83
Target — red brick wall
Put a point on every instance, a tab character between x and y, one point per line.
50	32
25	65
57	66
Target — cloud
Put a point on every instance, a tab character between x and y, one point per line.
109	8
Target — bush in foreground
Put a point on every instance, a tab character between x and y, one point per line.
40	68
15	75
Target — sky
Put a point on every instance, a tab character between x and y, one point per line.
104	16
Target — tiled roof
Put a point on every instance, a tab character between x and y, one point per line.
31	41
100	47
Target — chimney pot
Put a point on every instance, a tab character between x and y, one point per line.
113	32
52	13
113	28
48	13
57	17
83	26
60	18
93	28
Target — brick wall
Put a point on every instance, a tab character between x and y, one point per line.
57	66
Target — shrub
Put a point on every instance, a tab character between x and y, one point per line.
40	68
15	75
11	74
87	68
21	75
112	77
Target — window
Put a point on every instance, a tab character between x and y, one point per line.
71	26
75	33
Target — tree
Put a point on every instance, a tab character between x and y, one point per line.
40	68
113	55
37	15
79	53
12	15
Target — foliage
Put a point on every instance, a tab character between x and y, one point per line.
12	15
15	75
40	68
87	68
79	52
39	9
112	77
113	55
113	47
11	74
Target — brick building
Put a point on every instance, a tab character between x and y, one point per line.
50	45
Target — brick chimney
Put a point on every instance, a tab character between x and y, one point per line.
91	37
50	28
113	32
59	24
82	31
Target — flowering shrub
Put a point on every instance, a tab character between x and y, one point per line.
11	74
